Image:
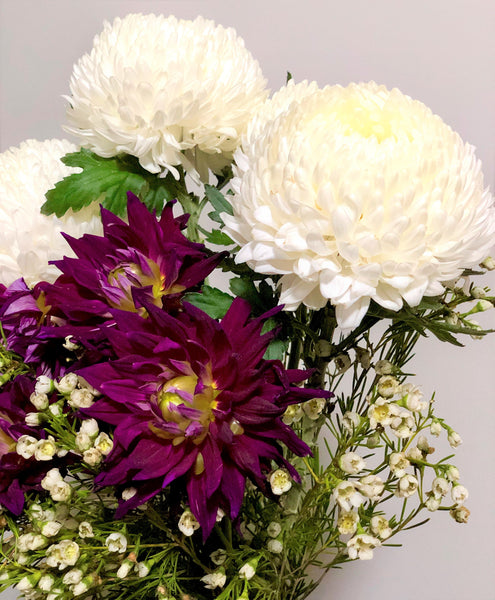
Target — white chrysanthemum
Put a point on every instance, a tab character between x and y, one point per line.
171	92
357	193
29	239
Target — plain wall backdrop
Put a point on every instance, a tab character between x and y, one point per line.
441	52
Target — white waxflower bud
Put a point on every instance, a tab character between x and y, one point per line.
488	263
452	473
351	421
280	482
26	445
460	514
423	444
482	305
89	427
314	407
454	439
104	444
83	442
371	486
64	554
347	523
55	409
398	463
24	542
92	457
478	292
292	414
218	557
85	530
44	385
274	546
33	419
459	494
45	449
51	528
433	502
61	491
72	577
435	428
46	583
440	487
143	568
220	515
81	398
116	542
347	496
81	587
408	484
129	493
388	386
413	397
214	580
414	454
39	401
383	367
26	584
381	527
361	546
188	523
67	383
403	425
274	529
351	463
342	362
125	569
248	570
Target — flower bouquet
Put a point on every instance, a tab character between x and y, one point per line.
162	437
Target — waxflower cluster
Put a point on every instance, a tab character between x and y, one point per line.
164	438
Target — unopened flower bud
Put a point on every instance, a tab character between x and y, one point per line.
274	546
488	263
39	401
460	514
67	383
188	523
44	385
26	446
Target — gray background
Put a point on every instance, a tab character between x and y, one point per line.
439	51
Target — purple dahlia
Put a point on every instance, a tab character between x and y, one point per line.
193	400
17	474
148	254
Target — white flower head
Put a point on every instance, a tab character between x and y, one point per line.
274	528
50	528
90	427
459	494
104	444
85	530
39	401
314	407
382	412
440	487
72	577
29	239
81	398
460	514
413	397
45	449
347	523
64	554
214	580
46	583
398	463
351	463
170	92
188	523
60	491
371	486
274	546
361	546
381	527
454	439
26	445
92	457
356	194
293	414
280	482
67	383
432	502
388	386
408	484
435	428
347	496
403	425
116	542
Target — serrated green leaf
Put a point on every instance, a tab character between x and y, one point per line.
211	300
219	238
218	200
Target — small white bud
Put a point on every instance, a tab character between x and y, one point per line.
116	542
61	491
81	398
83	442
188	523
388	386
67	383
51	478
383	367
129	493
72	577
51	528
351	421
44	385
85	530
488	263
433	502
39	401
89	427
125	569
248	570
280	482
408	484
55	409
33	419
92	457
459	494
142	569
454	439
104	444
478	292
440	487
26	445
435	428
274	529
351	463
46	582
460	514
214	580
275	546
452	473
45	449
342	362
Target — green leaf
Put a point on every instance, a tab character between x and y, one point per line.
211	300
219	238
108	180
218	200
245	288
288	77
276	350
